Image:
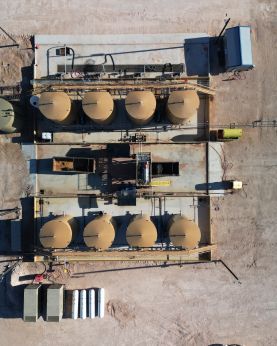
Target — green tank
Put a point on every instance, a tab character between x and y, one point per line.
9	118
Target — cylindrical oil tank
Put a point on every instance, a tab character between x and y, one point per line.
101	302
57	106
140	106
75	304
100	232
10	120
141	232
58	233
91	303
83	304
229	134
181	105
183	232
99	106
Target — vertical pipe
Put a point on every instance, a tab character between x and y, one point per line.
75	304
65	59
83	304
221	32
91	306
101	302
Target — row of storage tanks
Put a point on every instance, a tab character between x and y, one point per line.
99	106
100	232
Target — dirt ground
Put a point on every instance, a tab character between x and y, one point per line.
14	173
192	305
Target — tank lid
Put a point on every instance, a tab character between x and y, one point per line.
182	104
140	105
99	233
55	106
98	105
184	233
141	232
55	234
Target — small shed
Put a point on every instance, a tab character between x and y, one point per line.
54	307
31	303
238	49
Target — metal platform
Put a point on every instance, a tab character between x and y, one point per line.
200	169
85	208
159	63
145	51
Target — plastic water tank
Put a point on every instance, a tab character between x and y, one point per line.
75	304
91	303
101	302
83	304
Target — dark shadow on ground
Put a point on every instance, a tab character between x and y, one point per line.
217	57
11	299
26	110
27	226
217	185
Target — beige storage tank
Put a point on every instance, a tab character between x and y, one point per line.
99	106
140	106
58	233
100	232
10	120
57	106
183	232
181	105
141	232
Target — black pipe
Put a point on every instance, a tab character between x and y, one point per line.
229	270
73	58
221	32
110	55
9	36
